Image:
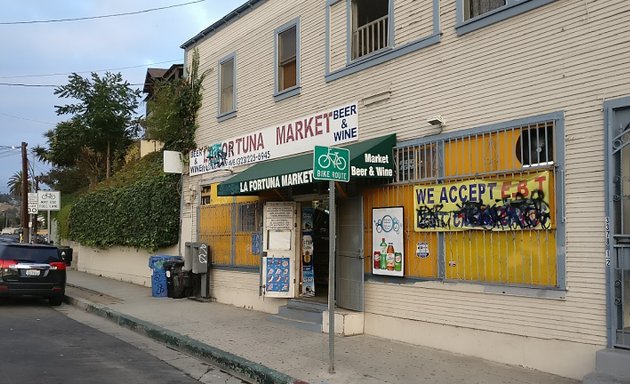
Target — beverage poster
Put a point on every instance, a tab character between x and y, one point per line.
278	274
308	274
388	246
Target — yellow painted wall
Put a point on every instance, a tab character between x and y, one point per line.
215	229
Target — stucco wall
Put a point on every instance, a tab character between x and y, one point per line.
120	263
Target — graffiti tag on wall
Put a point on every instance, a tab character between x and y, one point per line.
498	205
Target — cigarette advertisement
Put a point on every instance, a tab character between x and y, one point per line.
388	247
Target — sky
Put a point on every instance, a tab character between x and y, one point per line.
41	55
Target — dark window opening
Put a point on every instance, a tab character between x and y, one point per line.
535	145
370	24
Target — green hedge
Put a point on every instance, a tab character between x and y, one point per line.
142	214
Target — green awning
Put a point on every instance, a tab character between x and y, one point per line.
368	159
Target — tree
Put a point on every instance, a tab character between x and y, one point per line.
15	184
174	106
71	151
101	127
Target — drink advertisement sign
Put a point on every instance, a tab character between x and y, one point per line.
388	246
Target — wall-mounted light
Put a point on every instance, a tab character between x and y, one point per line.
437	120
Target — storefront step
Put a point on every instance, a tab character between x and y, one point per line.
612	367
301	315
307	305
305	325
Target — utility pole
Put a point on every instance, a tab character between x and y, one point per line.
25	233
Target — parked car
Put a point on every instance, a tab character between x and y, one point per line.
32	270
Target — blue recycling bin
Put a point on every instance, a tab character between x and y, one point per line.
158	276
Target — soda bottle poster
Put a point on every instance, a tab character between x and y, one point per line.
388	246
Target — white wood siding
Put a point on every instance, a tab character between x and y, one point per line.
412	21
567	56
338	36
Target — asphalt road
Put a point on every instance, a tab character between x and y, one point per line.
41	344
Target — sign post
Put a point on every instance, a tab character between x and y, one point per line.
48	201
332	164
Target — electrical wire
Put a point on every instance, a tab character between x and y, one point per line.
25	118
45	85
101	16
96	70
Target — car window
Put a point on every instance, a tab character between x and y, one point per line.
29	254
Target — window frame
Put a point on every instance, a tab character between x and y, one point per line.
382	56
294	90
232	113
510	9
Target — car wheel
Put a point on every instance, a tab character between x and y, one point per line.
55	301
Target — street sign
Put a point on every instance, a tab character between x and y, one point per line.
48	200
32	203
331	164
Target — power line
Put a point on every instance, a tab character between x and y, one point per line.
25	118
29	85
44	85
96	70
99	17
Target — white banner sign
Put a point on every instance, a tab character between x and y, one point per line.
337	125
32	203
48	200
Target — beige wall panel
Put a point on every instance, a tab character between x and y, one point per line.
526	316
241	290
413	20
566	56
338	36
556	356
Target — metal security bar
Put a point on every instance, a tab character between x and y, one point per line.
485	154
516	246
230	230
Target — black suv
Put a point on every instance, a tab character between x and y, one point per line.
32	270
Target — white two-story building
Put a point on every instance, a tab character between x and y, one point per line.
488	173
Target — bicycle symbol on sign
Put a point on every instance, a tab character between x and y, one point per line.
332	158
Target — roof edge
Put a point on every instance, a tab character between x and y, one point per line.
243	9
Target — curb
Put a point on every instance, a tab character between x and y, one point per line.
227	361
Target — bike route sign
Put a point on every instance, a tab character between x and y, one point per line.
331	163
48	200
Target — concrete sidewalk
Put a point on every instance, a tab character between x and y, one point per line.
244	342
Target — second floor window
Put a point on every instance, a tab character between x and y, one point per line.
287	58
226	86
370	26
474	8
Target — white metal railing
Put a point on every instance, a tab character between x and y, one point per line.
370	37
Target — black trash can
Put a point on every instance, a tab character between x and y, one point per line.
66	254
177	280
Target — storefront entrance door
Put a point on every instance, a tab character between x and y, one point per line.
350	259
279	270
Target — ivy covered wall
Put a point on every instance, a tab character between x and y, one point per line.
138	208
